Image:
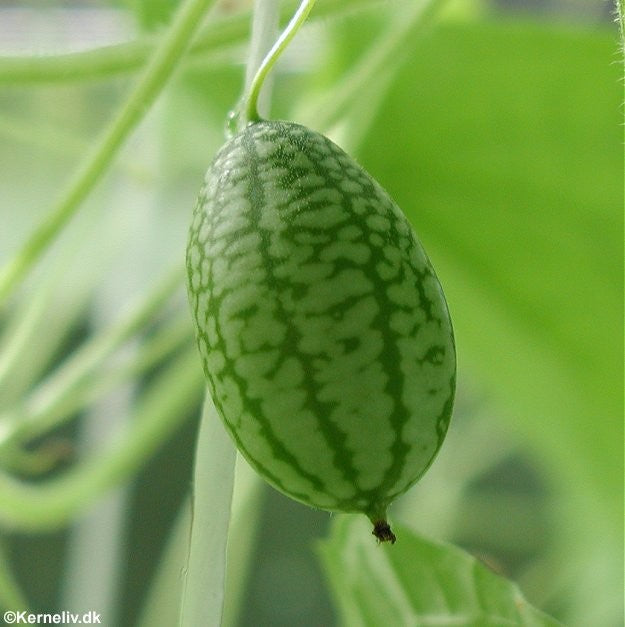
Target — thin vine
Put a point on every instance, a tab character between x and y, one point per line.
162	65
130	57
251	106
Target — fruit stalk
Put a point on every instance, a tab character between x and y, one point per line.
264	30
298	19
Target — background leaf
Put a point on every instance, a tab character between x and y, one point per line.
510	168
507	158
417	582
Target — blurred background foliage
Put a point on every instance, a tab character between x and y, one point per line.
497	127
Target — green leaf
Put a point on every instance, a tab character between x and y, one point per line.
506	154
510	169
416	582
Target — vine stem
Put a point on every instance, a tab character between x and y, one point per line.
203	590
39	412
299	17
264	30
129	57
158	71
164	406
203	587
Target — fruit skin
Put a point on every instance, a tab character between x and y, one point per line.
323	330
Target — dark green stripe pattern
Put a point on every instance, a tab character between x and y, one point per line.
323	330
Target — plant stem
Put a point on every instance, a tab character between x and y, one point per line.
40	411
264	27
159	70
205	574
162	408
47	136
161	605
95	547
109	61
152	351
251	108
247	502
94	386
203	591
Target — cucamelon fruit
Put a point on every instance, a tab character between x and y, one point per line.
323	330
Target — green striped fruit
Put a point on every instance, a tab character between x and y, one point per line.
323	330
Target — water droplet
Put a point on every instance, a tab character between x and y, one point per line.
232	123
235	121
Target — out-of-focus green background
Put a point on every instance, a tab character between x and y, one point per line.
498	130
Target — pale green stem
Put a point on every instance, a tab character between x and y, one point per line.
30	323
161	410
161	607
205	574
251	108
35	321
95	547
38	461
17	339
263	35
46	135
203	588
94	386
242	536
109	61
40	411
50	309
151	352
159	70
